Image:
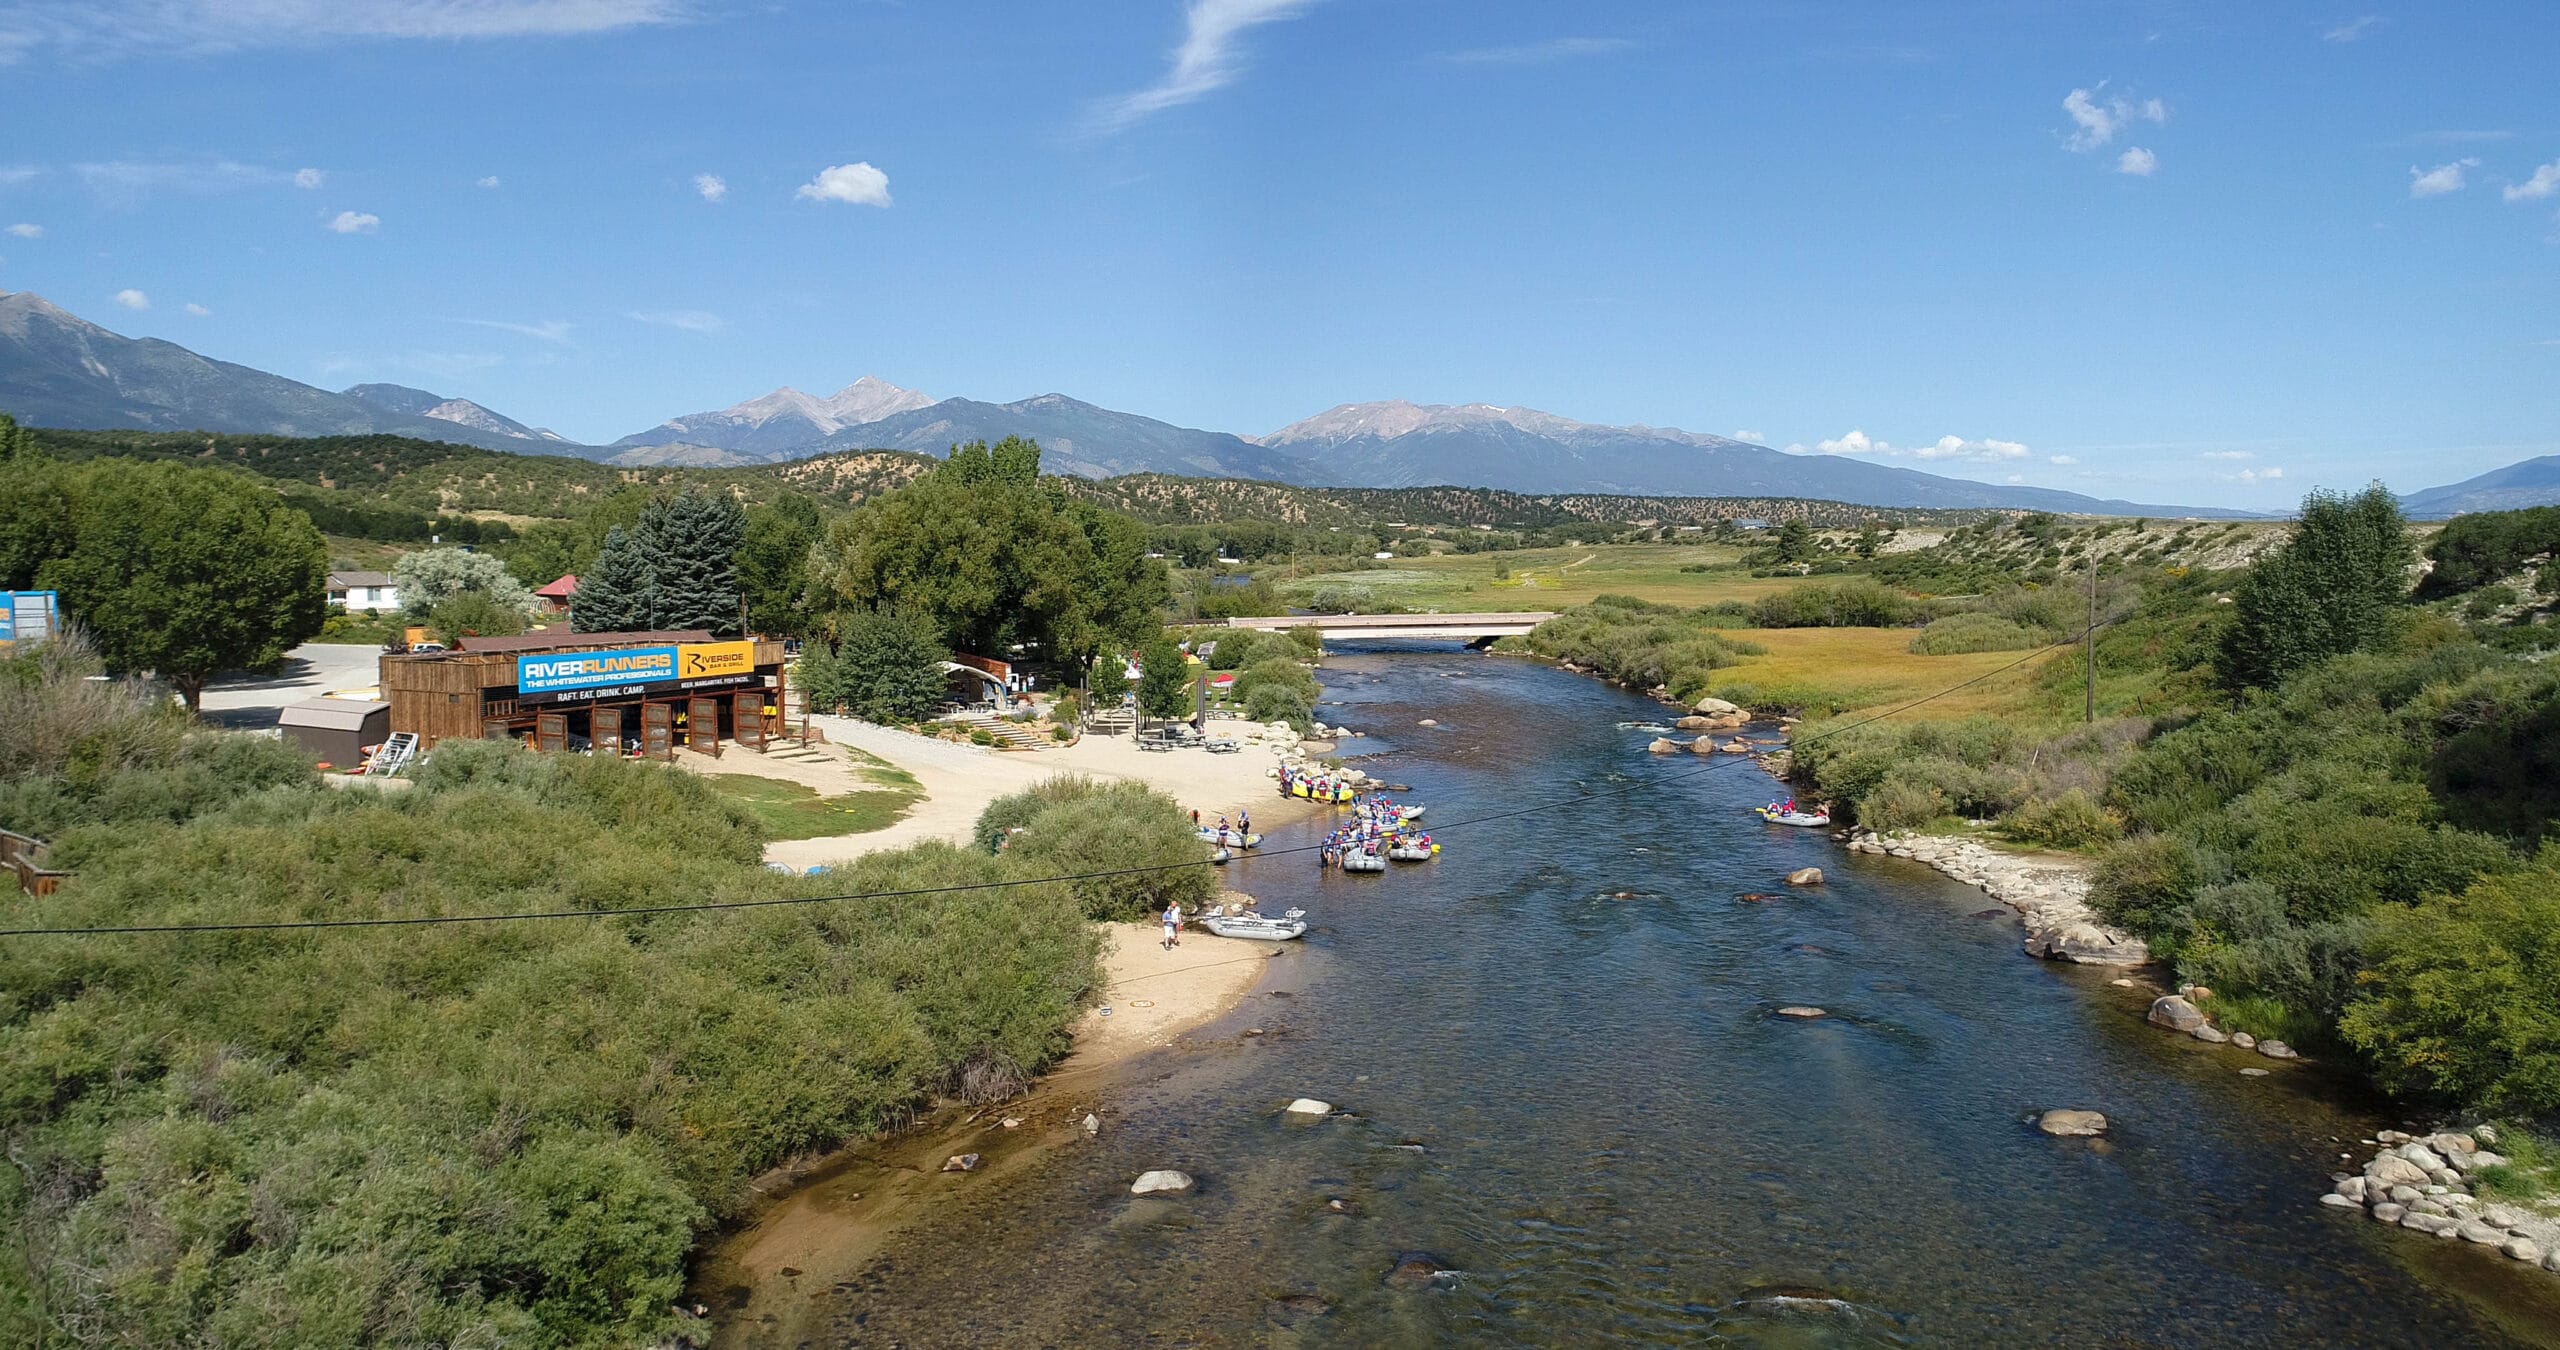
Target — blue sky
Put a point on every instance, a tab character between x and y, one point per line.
2193	252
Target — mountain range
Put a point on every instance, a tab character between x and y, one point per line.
57	369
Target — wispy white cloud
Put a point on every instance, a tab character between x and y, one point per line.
2545	182
2352	29
549	330
133	299
1990	450
2441	179
490	181
197	310
353	222
857	183
690	320
23	230
2061	459
308	178
2271	473
13	174
2097	119
2139	162
712	186
2228	454
135	178
1537	53
1209	59
114	29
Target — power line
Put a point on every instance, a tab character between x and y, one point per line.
715	906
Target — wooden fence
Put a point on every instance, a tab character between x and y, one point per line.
24	855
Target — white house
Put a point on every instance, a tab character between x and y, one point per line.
363	592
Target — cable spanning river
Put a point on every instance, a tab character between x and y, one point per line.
1568	1086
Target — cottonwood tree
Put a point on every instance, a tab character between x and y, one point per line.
189	572
2333	588
1164	679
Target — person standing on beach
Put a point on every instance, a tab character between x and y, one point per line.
1172	924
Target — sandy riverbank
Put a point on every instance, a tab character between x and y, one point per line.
830	1219
960	780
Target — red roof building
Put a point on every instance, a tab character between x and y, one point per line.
558	594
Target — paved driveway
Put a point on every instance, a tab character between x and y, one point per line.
245	702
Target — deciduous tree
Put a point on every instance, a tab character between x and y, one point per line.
2331	589
189	572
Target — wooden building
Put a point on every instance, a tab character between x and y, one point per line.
616	692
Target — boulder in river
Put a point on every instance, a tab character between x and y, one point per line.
2065	1123
1714	707
1802	1013
1161	1180
1309	1106
1704	745
2276	1050
1415	1270
2175	1013
1663	745
1805	876
1693	722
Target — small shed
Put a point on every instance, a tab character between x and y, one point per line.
336	730
560	594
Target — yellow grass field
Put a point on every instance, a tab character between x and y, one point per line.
1866	669
1553	578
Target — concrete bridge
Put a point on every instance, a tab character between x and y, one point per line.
1476	628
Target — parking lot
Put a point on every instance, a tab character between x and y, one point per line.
245	702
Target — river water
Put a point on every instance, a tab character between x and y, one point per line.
1583	1105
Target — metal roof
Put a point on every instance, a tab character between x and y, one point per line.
341	580
561	588
329	714
536	642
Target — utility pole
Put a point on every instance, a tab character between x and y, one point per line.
2089	639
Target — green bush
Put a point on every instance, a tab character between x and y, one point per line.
1280	673
477	1134
2461	996
1958	634
1640	644
1073	826
1276	703
1901	802
2071	820
1859	602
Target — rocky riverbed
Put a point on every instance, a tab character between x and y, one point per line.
2051	894
2431	1185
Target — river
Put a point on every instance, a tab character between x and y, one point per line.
1582	1104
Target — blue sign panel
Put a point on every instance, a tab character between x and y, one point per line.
28	615
560	672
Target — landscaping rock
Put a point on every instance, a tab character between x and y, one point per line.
2486	1234
1160	1181
2175	1013
1805	876
2391	1170
2071	1124
1309	1106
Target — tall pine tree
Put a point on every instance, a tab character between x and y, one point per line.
692	541
615	595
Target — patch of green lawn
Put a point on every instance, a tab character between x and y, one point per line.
789	810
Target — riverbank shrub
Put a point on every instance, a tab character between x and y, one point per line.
1854	602
486	1134
1959	634
1640	644
1075	826
2461	994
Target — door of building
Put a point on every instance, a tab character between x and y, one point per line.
551	731
658	730
605	730
702	726
746	719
